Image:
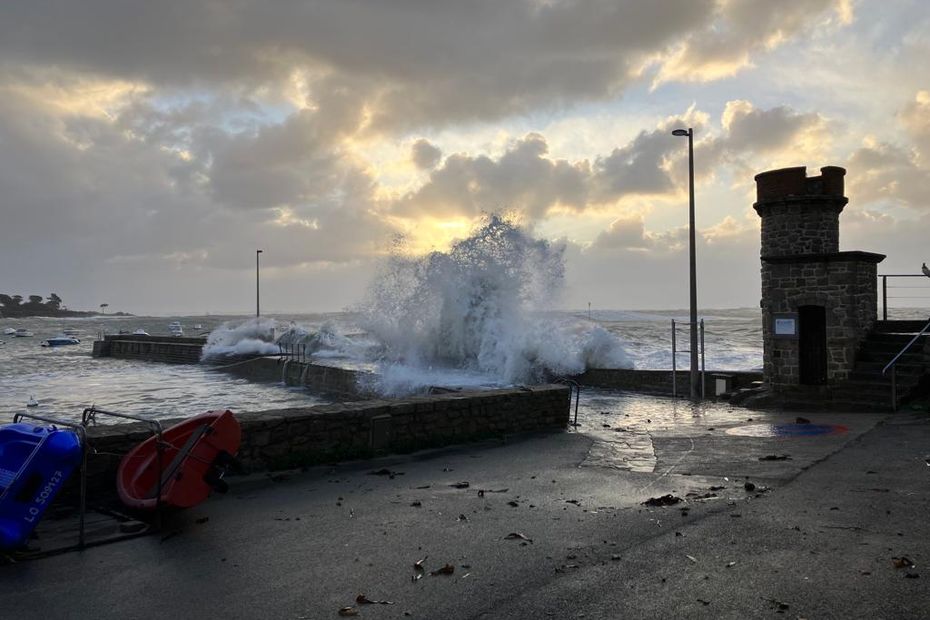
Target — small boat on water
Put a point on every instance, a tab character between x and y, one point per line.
60	341
23	333
198	326
32	402
140	332
35	462
71	331
9	331
194	459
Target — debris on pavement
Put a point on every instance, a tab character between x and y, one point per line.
348	611
692	558
664	500
361	599
775	457
517	536
777	605
750	487
418	568
447	569
386	472
902	562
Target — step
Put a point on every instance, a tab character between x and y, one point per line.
911	359
902	378
895	344
899	339
900	326
903	367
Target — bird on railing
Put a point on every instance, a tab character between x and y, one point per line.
926	270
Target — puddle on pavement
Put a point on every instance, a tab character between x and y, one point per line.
788	430
622	424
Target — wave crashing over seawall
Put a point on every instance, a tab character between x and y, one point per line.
477	315
481	307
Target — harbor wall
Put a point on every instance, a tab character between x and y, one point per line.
165	349
339	383
288	438
350	384
660	381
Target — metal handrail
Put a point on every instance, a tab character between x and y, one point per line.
89	416
893	366
676	351
884	277
572	386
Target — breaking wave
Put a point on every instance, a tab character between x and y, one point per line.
477	315
482	308
254	336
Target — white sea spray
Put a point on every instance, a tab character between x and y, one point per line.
482	307
253	336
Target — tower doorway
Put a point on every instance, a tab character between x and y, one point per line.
812	345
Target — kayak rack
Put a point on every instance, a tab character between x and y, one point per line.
89	416
81	432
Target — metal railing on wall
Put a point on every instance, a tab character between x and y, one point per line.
904	286
676	352
297	351
892	365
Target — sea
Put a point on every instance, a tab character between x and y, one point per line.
65	380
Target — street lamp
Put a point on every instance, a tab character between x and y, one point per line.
695	381
257	307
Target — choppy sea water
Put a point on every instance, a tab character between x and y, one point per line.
65	380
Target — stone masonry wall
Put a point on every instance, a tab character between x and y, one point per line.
799	227
659	381
800	214
844	284
287	438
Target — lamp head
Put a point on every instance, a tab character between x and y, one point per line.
681	132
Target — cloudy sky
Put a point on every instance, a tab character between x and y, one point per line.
148	148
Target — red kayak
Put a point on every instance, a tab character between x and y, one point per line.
194	458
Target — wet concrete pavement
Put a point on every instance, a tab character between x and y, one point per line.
816	535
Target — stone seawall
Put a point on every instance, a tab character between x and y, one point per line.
340	383
288	438
165	349
660	381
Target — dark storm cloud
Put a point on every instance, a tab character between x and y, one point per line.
523	179
421	62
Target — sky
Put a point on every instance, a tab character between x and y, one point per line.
147	149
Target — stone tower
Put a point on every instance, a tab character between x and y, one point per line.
818	303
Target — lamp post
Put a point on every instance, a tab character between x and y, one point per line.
257	297
695	379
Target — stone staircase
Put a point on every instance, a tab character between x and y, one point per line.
867	387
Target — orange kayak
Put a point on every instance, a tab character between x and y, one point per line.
194	459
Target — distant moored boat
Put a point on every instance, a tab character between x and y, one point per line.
61	341
23	333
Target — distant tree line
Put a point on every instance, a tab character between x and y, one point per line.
14	306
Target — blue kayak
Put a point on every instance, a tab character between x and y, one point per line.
35	462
